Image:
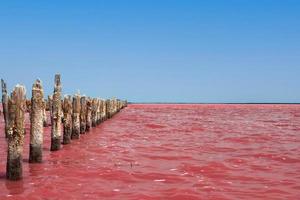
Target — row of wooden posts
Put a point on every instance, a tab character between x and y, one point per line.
75	114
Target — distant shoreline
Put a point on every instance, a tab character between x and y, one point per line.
214	103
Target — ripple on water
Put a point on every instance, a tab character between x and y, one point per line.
177	152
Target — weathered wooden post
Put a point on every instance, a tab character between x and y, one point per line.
110	108
62	110
116	106
76	117
83	112
98	111
50	102
107	102
102	115
113	106
88	114
67	109
107	108
56	115
15	132
45	122
36	125
5	105
94	112
104	109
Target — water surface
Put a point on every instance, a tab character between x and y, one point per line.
171	152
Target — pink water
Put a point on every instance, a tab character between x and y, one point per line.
172	152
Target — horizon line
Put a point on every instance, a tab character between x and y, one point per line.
263	103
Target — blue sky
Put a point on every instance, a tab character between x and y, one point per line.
155	50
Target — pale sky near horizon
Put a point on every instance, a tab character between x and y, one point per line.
155	51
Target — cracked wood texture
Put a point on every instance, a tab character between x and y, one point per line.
56	115
37	122
15	132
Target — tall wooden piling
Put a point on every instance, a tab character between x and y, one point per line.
68	110
36	125
76	117
56	115
113	109
45	122
118	105
111	106
49	104
83	111
114	106
88	114
15	132
107	102
5	105
94	112
98	111
102	113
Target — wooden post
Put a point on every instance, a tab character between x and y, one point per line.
15	132
94	112
98	112
101	110
107	102
5	105
62	110
56	115
67	109
104	109
83	111
36	123
88	114
115	106
50	101
111	102
45	122
76	117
